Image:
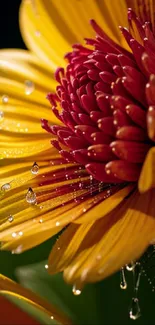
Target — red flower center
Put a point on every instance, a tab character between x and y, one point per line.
105	100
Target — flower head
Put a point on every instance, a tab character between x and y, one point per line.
97	178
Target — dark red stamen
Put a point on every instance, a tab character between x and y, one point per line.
104	94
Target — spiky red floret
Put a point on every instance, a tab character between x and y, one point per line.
105	100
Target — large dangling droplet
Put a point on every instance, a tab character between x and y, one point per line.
123	283
134	312
30	196
35	169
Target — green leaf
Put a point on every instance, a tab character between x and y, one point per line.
82	309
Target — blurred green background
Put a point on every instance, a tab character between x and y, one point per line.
101	303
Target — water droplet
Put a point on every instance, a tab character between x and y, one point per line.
1	115
10	218
123	283
14	234
35	169
57	223
130	266
134	312
137	276
6	187
29	87
30	196
46	266
5	99
20	233
41	221
76	291
52	317
38	33
84	210
18	250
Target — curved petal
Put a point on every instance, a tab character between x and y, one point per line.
24	84
45	25
126	233
13	289
147	176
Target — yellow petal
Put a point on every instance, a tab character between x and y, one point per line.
47	24
24	84
112	241
66	247
107	204
13	289
147	176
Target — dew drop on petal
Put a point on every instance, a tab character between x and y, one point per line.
29	87
38	33
123	283
41	221
14	234
57	223
5	99
52	317
1	115
30	196
76	291
20	233
134	312
6	187
10	218
35	169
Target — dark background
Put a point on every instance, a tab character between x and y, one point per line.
113	301
9	27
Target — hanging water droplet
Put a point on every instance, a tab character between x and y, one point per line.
10	218
134	312
123	283
5	99
29	87
1	115
130	266
6	187
76	291
30	196
35	169
137	276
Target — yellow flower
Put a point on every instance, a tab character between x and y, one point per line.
101	135
17	293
